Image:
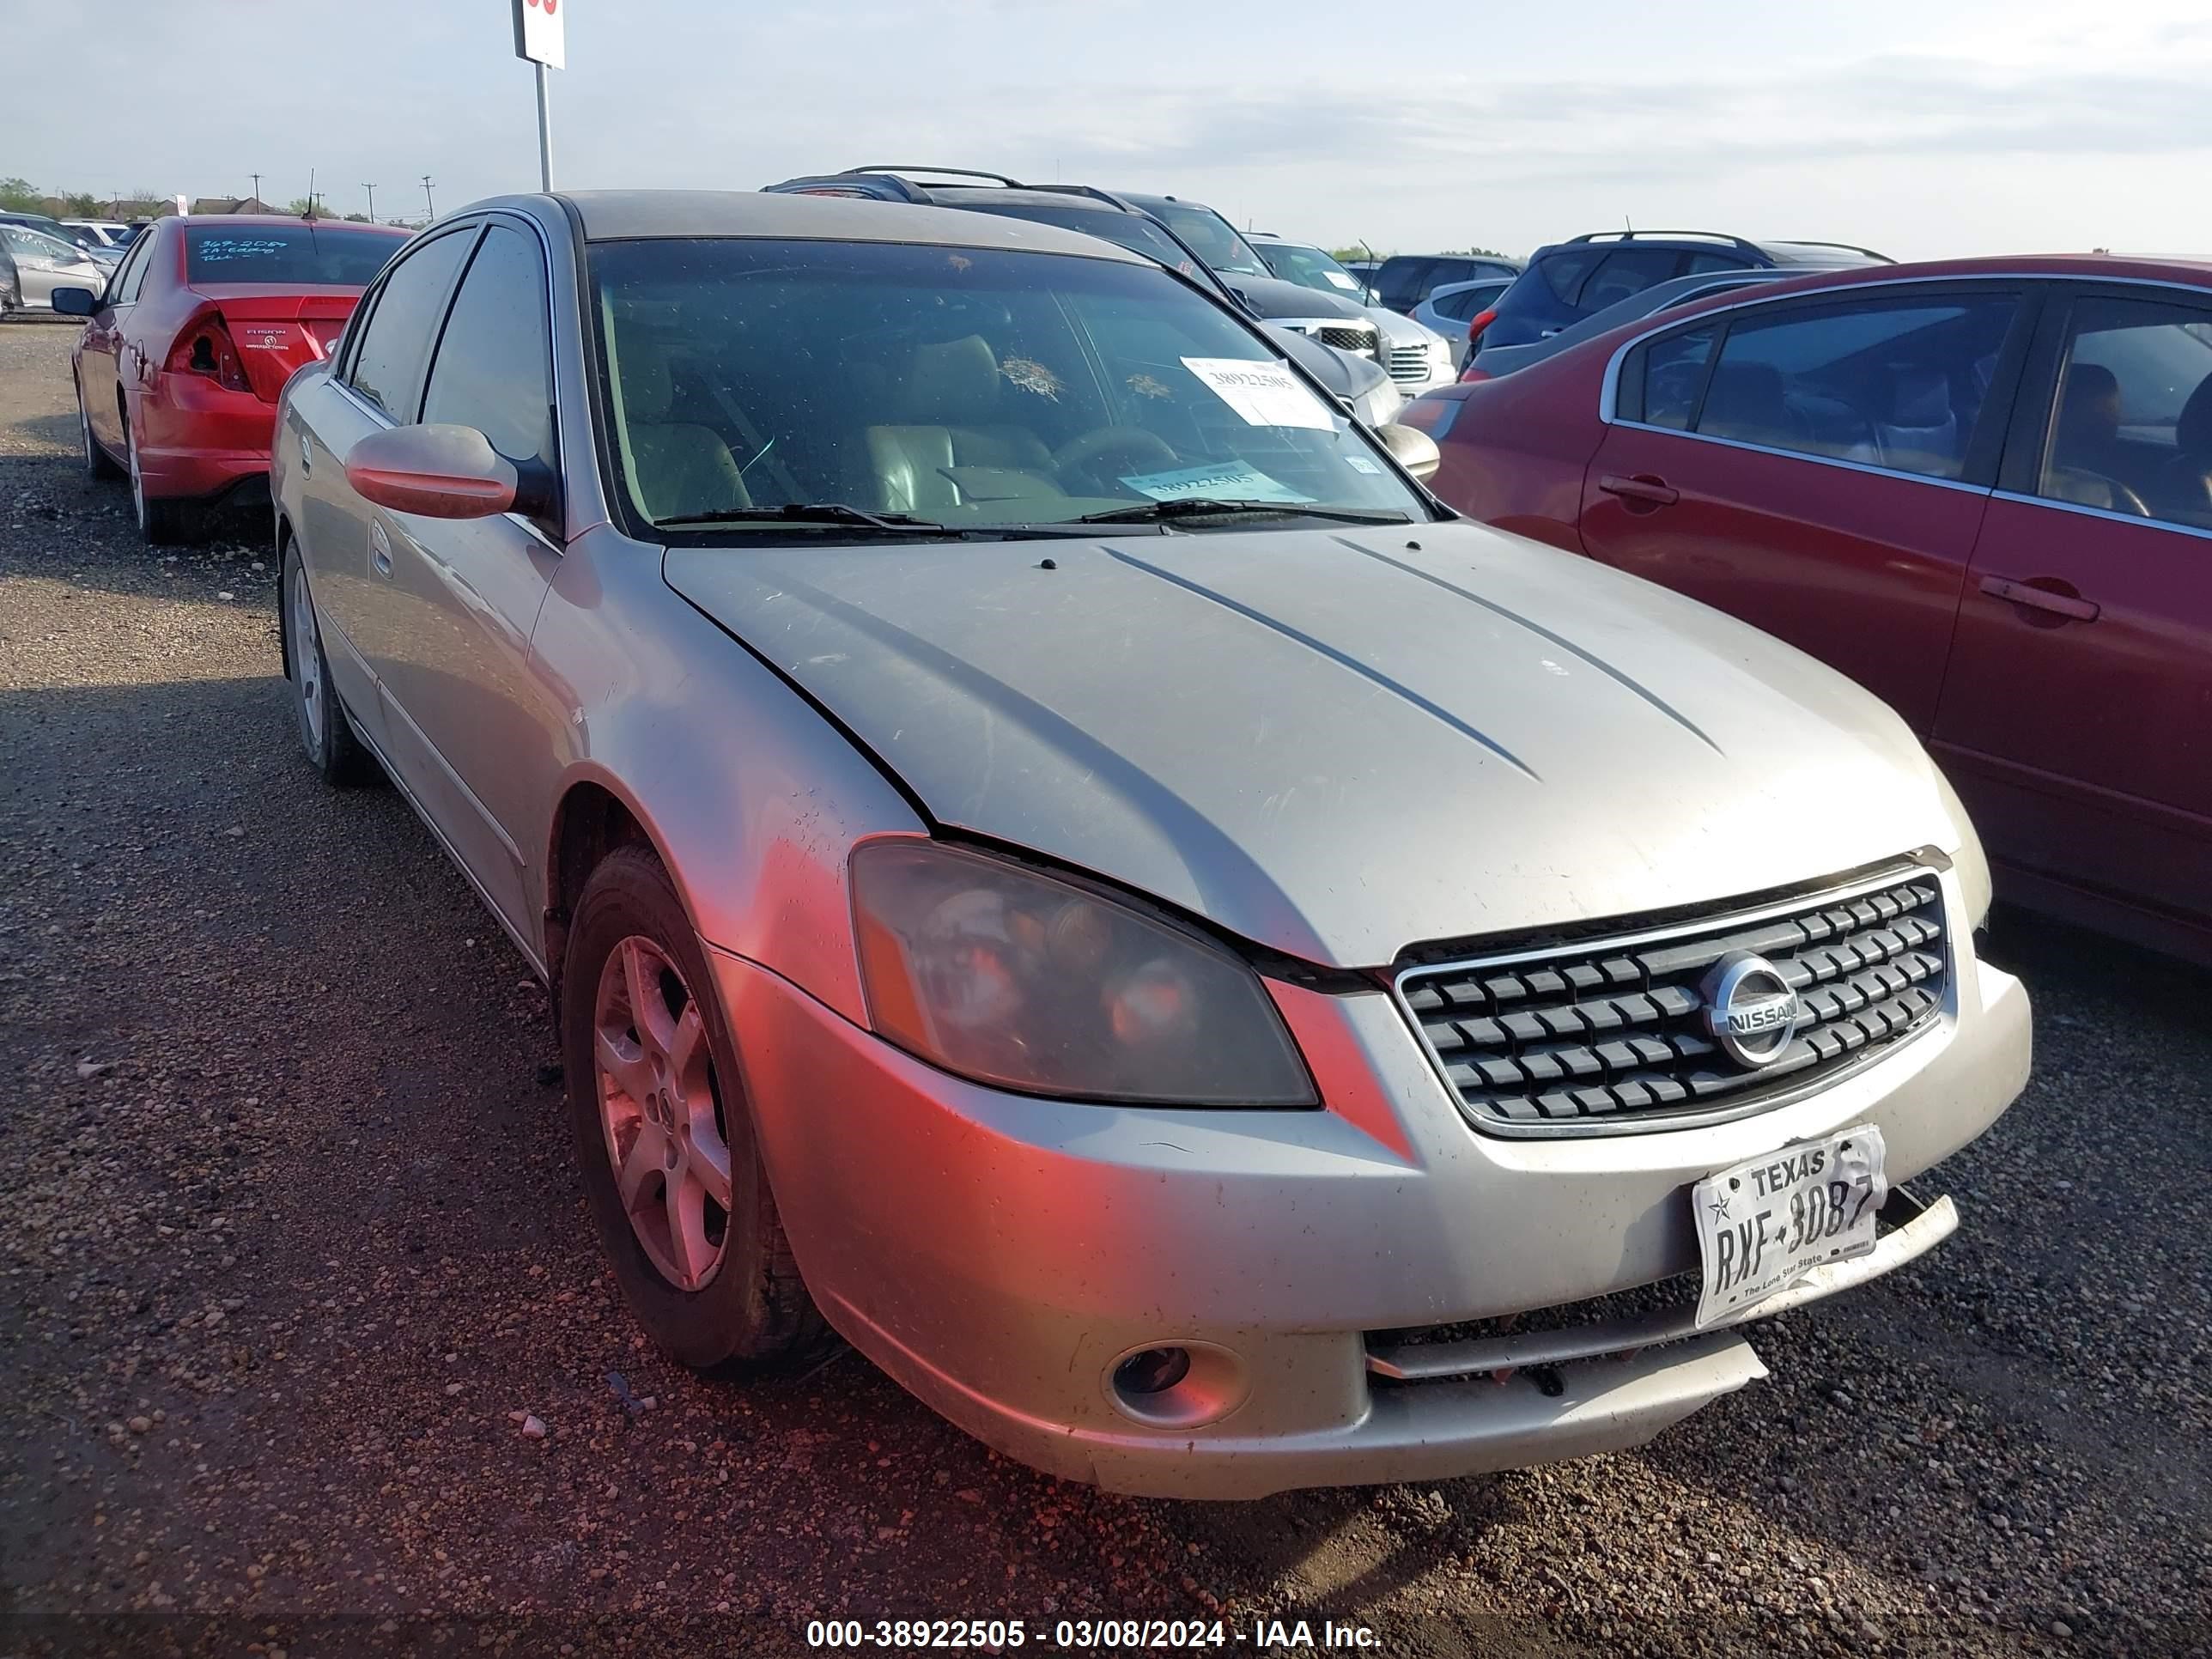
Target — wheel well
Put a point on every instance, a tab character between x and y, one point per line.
590	825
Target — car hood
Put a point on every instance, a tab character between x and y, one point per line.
1270	296
1337	743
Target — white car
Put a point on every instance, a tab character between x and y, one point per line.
108	232
1416	358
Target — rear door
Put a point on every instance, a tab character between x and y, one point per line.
2076	719
463	594
1819	468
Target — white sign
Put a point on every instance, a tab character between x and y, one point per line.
1265	393
1226	481
183	206
541	29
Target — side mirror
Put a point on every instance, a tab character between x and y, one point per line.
440	472
75	301
1412	449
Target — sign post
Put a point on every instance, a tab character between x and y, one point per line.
540	37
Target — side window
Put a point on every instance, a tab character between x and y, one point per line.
148	248
491	369
1462	306
1695	265
123	286
2132	428
1673	374
1401	283
1627	270
395	343
1893	383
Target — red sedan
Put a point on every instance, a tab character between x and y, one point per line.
1982	489
195	334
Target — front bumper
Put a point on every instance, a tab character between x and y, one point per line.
999	1256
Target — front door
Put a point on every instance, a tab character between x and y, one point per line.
100	352
452	640
2077	719
1817	468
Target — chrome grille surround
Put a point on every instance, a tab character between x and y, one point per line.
1409	364
1604	1034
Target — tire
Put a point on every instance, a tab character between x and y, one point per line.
162	523
98	463
748	1311
325	731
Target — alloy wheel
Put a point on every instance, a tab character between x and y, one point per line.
665	1135
137	479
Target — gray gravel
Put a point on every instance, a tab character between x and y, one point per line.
305	1346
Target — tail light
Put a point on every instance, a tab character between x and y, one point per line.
1479	321
203	347
1470	375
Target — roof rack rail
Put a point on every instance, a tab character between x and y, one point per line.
1091	190
1848	247
1744	243
903	168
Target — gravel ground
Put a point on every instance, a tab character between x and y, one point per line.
292	1236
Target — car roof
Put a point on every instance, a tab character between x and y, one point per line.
196	220
622	215
1479	259
1442	289
2191	273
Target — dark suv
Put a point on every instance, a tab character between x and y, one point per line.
1569	281
1350	366
1404	280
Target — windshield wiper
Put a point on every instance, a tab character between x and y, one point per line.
815	513
1199	507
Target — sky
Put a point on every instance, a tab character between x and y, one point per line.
1922	128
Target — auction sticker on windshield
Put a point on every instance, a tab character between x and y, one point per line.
1264	393
1226	481
1763	1225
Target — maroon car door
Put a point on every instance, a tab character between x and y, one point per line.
1818	467
2076	719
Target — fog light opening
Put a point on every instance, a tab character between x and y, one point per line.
1153	1371
1177	1385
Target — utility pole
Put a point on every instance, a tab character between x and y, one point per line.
371	189
428	203
258	202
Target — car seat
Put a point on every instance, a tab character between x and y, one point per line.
947	406
2184	483
680	467
1920	433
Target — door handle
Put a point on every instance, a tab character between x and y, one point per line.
307	451
2068	606
379	550
1642	487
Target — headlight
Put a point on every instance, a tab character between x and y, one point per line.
1014	979
1970	861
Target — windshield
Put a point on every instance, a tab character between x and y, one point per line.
958	386
1309	267
1214	237
304	255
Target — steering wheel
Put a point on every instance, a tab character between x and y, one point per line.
1130	448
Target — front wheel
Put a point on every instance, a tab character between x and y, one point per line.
664	1134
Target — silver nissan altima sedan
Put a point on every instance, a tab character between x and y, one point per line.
1057	859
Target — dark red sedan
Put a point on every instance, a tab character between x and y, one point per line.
184	351
1982	489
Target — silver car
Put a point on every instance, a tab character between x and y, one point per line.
1056	859
43	263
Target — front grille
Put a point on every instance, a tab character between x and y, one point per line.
1609	1036
1348	336
1409	363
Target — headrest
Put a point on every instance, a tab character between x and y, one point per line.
952	384
2192	431
1919	398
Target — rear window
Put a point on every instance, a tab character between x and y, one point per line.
308	255
1564	271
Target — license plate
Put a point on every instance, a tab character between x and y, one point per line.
1765	1223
